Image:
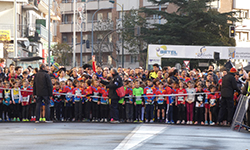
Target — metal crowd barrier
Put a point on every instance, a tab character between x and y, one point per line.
237	123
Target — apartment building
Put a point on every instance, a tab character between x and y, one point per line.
242	8
107	19
32	28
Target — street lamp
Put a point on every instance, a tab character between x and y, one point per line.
92	35
111	1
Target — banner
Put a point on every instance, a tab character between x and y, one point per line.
196	52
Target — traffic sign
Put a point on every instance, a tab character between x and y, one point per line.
187	64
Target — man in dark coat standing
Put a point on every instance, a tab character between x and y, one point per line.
43	91
115	83
227	92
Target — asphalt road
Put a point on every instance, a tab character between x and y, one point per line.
65	136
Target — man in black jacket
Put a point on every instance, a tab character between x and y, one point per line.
43	90
115	83
227	92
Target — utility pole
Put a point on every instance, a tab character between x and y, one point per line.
15	30
49	35
74	34
122	41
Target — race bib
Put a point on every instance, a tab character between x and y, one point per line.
212	101
25	99
7	95
138	98
16	96
1	95
180	98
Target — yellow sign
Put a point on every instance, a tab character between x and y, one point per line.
4	35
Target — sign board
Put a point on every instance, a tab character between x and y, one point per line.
196	52
155	60
4	35
203	64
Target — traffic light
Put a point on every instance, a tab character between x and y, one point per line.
231	31
87	44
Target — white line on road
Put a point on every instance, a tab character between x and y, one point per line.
18	131
140	135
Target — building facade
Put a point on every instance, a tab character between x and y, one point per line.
105	20
32	28
242	28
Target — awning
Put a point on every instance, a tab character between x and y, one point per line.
28	58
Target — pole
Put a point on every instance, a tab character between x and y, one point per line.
81	45
15	30
159	15
122	41
74	34
49	36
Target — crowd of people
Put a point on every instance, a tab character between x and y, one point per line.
164	95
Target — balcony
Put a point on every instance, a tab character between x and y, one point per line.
94	5
43	7
43	32
21	30
98	26
24	31
241	4
154	20
67	5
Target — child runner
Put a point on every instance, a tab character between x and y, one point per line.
25	100
6	101
96	100
77	91
138	93
149	101
16	100
190	102
199	105
129	101
212	98
161	102
180	103
206	90
104	104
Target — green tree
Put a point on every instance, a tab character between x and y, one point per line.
61	52
194	23
134	44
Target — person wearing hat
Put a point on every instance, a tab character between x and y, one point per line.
153	73
227	93
55	68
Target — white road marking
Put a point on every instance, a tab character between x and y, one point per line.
18	131
140	135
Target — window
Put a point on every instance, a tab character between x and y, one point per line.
244	36
99	38
109	59
110	38
64	38
133	58
76	39
109	16
120	15
99	16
